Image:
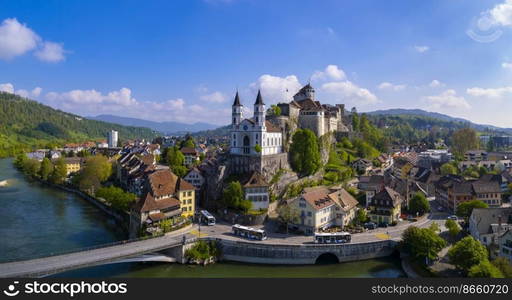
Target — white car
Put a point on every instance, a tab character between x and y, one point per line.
453	217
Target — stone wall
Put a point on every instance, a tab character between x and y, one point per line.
267	165
254	252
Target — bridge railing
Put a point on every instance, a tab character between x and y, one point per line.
89	248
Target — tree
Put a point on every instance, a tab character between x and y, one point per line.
233	195
484	269
304	152
288	215
60	172
188	142
19	160
422	243
245	205
180	171
419	204
118	198
465	209
355	120
453	227
257	148
361	216
275	110
434	227
448	169
46	169
31	167
174	157
504	266
467	253
463	140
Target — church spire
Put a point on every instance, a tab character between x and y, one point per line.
237	100
259	99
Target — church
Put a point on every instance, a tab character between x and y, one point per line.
256	145
255	136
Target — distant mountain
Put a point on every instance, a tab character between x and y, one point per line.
25	124
163	127
438	116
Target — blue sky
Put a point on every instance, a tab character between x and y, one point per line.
183	60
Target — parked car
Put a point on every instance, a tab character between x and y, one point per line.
411	218
440	208
370	225
453	217
385	225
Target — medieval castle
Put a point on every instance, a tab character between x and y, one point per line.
260	143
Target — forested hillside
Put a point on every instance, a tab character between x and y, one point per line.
27	124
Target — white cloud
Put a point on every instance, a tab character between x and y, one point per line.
489	93
16	39
506	65
436	83
349	92
7	87
276	89
421	49
390	86
36	91
50	52
122	103
447	100
331	72
501	14
215	97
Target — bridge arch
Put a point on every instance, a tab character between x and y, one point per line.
327	258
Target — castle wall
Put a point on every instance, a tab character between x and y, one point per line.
267	165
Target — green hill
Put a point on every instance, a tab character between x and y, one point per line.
26	124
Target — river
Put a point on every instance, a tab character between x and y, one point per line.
37	221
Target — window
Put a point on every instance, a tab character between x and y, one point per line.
189	194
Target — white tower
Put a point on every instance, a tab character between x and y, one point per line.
259	111
237	114
112	139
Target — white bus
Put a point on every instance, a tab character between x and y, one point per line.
332	237
207	218
248	232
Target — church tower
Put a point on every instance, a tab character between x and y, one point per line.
259	111
237	114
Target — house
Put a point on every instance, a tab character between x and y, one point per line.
385	206
488	192
475	155
362	165
385	160
191	155
505	241
401	167
370	185
256	190
196	178
166	197
487	224
451	190
322	207
73	164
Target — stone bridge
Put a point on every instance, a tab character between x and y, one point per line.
253	252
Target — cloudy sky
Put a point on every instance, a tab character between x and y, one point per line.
184	60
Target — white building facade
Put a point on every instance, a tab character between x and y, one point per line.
112	139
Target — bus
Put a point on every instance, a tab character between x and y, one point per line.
248	232
332	237
206	218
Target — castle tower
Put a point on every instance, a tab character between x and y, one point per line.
306	92
259	110
237	113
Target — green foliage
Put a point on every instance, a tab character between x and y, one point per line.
46	169
188	142
434	227
305	152
448	168
419	204
484	269
27	124
20	160
118	198
275	110
463	140
59	173
453	227
245	205
202	250
288	215
233	195
257	148
294	189
467	253
361	216
355	121
31	167
277	176
465	209
504	266
422	243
